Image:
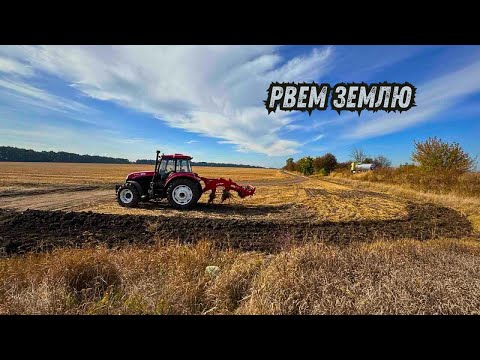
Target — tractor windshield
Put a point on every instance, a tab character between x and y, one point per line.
167	165
184	166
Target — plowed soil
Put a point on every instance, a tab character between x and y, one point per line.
36	230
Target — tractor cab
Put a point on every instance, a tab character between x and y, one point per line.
168	164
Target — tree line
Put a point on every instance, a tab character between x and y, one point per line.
9	153
431	156
325	164
203	163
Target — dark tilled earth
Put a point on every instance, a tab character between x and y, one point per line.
35	230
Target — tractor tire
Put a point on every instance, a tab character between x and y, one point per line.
183	193
128	195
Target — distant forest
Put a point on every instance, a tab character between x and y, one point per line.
203	163
9	153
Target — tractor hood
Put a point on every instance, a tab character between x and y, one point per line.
140	174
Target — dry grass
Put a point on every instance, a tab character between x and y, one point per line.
412	177
406	277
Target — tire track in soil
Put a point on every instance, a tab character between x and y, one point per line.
62	200
36	230
49	190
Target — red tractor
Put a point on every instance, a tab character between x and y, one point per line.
174	179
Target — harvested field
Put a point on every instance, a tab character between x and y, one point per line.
34	174
280	195
298	246
287	208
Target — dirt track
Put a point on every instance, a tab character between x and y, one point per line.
67	199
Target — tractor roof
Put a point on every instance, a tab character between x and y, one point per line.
177	156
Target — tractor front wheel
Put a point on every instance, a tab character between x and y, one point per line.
128	196
183	193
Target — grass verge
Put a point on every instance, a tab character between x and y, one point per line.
403	277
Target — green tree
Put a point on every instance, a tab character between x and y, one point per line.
434	155
323	172
328	162
305	165
290	166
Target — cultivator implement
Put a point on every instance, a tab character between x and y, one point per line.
227	185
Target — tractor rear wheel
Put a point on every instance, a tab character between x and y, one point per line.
128	196
183	193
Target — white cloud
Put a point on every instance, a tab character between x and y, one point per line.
191	141
11	66
318	137
431	98
216	91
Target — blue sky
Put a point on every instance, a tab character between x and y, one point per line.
207	101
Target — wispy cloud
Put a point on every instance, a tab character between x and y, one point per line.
209	90
20	91
314	139
11	66
191	141
432	98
